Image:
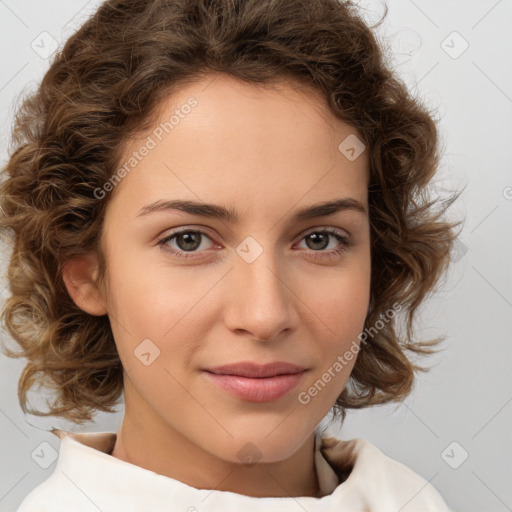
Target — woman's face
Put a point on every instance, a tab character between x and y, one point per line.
261	286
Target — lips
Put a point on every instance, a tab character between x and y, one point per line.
256	383
252	370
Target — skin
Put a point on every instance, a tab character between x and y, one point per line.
263	151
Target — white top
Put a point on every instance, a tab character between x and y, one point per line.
353	476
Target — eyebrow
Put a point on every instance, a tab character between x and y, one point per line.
220	212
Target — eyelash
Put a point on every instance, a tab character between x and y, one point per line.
344	240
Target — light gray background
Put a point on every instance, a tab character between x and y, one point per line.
466	398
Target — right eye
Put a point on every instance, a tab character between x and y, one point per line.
186	240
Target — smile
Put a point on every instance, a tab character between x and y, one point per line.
256	383
256	389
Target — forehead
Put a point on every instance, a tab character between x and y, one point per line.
224	140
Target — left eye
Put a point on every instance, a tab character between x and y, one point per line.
189	241
322	238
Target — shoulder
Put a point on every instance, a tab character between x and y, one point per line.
386	484
45	497
60	489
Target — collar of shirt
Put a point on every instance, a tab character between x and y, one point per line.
328	479
87	478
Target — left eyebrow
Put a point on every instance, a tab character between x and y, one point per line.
220	212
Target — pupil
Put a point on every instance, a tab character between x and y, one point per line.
189	239
318	237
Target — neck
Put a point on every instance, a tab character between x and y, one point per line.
145	440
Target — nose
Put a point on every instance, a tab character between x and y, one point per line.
262	303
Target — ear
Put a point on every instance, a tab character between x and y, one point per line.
79	275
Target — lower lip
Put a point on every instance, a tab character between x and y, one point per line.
265	389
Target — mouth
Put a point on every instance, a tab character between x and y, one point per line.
256	383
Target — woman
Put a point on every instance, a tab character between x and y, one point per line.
172	177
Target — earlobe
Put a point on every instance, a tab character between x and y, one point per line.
79	275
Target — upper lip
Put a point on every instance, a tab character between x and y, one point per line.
253	370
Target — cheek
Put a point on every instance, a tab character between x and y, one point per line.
163	305
151	296
340	298
339	307
339	319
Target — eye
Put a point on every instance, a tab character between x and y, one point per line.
187	240
318	241
190	240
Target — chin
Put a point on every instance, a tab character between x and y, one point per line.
250	445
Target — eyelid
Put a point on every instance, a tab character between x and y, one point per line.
340	231
208	231
186	228
340	234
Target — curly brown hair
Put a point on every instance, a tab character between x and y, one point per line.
107	83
